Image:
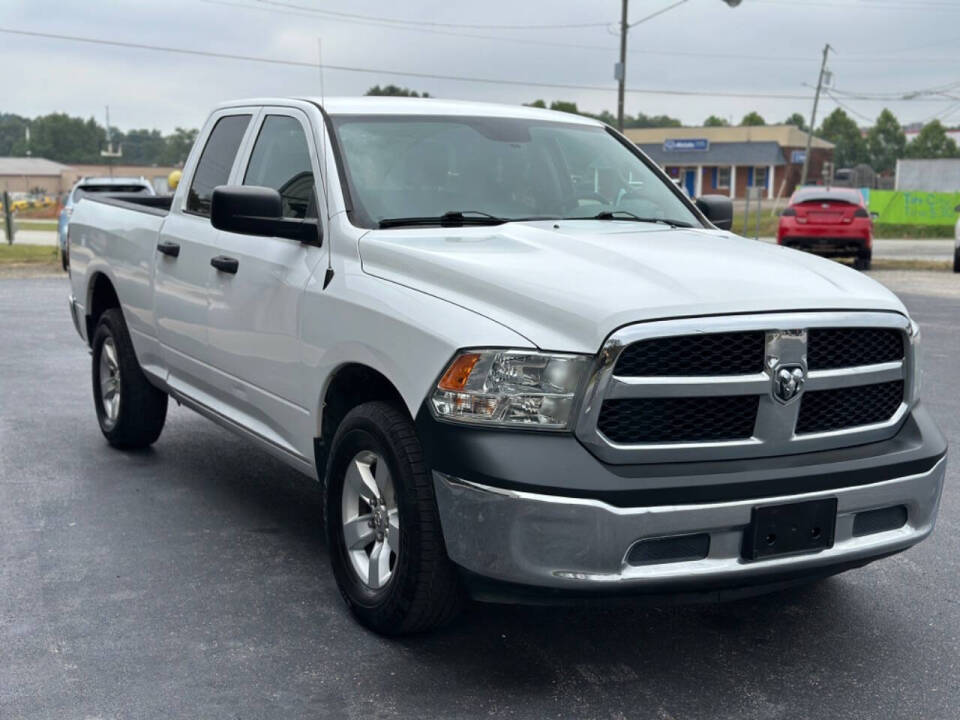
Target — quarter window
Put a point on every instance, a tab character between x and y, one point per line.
281	160
216	161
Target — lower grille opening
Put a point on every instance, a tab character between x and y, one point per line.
826	410
681	548
882	520
682	419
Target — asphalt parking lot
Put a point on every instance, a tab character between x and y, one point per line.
191	580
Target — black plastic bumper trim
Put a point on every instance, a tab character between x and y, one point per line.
557	464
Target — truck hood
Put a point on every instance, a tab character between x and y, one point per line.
567	285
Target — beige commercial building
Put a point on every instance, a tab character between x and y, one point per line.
28	175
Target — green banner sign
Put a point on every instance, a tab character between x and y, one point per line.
895	207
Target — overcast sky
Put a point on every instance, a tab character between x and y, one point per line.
768	47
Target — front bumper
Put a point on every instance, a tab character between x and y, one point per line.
560	543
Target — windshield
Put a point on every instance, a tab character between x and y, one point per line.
511	169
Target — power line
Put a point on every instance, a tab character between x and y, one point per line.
578	46
397	21
386	71
436	76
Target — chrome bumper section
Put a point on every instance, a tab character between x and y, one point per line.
581	544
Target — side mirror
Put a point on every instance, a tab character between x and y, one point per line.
253	210
874	216
718	209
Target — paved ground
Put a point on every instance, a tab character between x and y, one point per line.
924	249
191	581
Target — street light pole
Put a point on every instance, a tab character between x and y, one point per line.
813	115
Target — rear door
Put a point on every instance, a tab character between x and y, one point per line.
186	244
254	314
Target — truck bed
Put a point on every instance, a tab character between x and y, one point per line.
153	204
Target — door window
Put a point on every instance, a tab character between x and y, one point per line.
281	160
216	161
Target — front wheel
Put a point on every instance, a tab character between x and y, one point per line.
130	410
382	526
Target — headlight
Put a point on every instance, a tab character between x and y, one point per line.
513	388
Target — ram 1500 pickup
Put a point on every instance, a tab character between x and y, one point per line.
523	364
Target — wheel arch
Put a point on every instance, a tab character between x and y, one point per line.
351	384
101	296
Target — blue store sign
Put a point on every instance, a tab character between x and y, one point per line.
686	144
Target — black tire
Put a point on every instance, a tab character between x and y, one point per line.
141	408
862	262
424	589
63	260
956	260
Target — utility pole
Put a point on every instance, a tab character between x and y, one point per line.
813	114
621	70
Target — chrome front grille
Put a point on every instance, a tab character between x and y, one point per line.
705	388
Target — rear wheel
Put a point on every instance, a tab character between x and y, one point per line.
130	410
862	262
956	260
383	530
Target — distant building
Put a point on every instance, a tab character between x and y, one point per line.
728	160
939	175
25	174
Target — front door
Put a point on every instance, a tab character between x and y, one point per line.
254	314
187	242
690	181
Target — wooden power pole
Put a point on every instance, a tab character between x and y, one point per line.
813	115
621	69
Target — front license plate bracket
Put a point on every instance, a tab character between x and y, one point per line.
790	529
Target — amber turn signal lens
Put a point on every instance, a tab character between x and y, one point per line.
456	376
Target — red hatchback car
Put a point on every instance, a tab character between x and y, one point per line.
832	222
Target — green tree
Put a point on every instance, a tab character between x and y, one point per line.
395	91
565	106
716	121
932	142
66	139
537	104
753	118
177	146
797	120
140	147
13	134
886	142
842	131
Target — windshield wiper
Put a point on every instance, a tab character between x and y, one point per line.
454	218
627	215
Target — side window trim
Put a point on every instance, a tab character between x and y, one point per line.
246	152
196	153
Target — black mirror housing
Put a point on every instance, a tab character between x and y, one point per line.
718	210
253	210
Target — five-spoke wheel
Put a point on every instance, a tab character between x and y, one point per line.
371	520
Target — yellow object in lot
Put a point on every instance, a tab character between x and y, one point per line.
173	179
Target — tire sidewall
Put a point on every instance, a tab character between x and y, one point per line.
105	330
359	433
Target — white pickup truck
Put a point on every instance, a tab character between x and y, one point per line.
523	364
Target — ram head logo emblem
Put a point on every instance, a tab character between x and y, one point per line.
788	382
